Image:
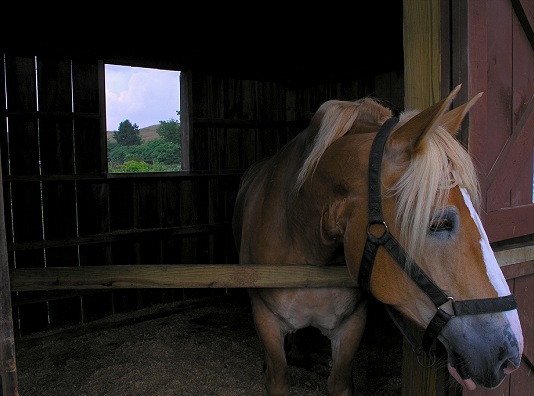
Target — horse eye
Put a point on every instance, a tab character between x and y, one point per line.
441	224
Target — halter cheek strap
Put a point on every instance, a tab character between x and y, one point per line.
386	240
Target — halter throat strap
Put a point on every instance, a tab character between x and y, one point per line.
393	247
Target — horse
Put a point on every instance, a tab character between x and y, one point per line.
395	200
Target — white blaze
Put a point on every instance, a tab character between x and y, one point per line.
493	270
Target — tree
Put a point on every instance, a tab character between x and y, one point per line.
169	131
128	134
135	167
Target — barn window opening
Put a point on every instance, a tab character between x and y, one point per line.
142	119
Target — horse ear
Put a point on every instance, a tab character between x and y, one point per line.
452	120
411	134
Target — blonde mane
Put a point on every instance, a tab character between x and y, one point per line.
442	163
334	119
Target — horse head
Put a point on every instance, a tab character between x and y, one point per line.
427	198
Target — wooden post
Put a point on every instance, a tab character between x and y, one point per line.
423	82
422	53
186	111
8	370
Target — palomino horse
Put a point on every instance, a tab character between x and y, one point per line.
348	188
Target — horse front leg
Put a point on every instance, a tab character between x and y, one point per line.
345	341
271	333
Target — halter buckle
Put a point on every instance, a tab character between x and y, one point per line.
450	307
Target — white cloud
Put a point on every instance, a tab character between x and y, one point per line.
143	96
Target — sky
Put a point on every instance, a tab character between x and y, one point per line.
143	96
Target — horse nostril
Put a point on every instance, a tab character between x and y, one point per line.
508	366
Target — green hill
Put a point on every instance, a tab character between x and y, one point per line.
148	133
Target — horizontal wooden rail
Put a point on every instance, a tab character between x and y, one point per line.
135	235
120	177
515	262
178	276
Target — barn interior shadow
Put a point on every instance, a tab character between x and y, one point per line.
377	364
164	350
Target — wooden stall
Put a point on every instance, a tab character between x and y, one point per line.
487	46
78	243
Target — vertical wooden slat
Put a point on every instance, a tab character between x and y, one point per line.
24	201
24	147
3	125
93	208
23	127
170	211
59	221
186	113
55	127
499	92
90	141
93	218
422	53
123	210
149	215
8	365
458	43
91	157
422	76
57	158
4	165
523	94
27	224
523	289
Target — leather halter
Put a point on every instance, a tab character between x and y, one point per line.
434	293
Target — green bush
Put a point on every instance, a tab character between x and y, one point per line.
135	166
156	156
159	150
117	153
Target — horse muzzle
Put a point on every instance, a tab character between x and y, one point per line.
482	350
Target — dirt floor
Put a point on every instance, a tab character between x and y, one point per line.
199	349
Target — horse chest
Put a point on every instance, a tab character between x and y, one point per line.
324	309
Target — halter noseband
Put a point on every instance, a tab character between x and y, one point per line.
436	295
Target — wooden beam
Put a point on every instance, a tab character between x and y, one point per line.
178	276
422	88
509	223
422	53
8	366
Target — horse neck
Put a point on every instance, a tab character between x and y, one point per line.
304	213
334	192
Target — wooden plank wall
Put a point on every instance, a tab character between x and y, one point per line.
153	219
501	44
236	122
500	139
63	209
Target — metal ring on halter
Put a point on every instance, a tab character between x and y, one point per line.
431	356
372	237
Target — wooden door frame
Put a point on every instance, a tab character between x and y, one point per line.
438	56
